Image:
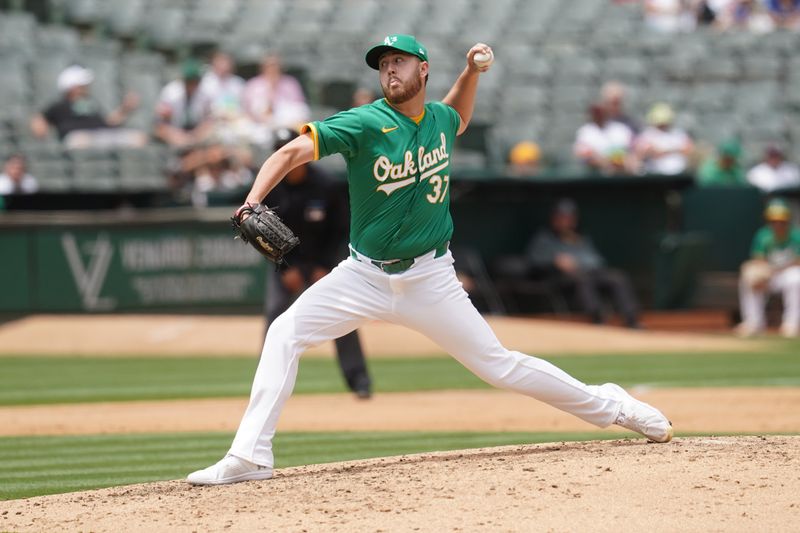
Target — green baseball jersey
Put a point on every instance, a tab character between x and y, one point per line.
398	173
779	254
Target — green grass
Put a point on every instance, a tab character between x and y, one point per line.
43	380
32	466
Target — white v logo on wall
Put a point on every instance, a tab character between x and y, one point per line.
90	276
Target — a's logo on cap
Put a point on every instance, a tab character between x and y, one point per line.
390	40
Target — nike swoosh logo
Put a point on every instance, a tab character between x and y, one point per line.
387	130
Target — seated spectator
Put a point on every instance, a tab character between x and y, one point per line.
774	266
571	260
220	89
662	147
524	159
15	178
711	12
785	13
774	172
179	110
274	99
363	96
78	119
612	98
221	92
604	145
723	168
749	15
669	16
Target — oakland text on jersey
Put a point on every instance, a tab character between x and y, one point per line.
406	172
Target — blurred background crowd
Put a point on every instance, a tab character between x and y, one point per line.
187	98
185	94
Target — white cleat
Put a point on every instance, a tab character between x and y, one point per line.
641	417
230	469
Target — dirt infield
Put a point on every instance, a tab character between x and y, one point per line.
177	335
692	484
738	410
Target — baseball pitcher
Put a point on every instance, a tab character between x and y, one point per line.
400	270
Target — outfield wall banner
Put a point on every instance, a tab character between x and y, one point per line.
112	269
15	279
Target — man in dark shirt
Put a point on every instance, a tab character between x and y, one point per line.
78	119
310	204
563	254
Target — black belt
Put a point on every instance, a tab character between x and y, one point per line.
396	266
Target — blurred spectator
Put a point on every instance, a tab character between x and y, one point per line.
723	168
15	178
714	12
774	172
662	147
220	96
220	89
604	145
274	99
570	259
774	266
750	15
309	202
612	98
217	170
179	110
785	13
363	96
78	119
524	159
669	16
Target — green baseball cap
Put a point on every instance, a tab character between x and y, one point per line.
403	43
730	147
191	69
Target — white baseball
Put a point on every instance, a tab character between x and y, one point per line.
483	60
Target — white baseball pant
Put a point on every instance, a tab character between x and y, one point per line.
427	298
752	302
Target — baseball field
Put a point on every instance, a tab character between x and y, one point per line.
101	417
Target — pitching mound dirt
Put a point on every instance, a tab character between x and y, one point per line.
698	484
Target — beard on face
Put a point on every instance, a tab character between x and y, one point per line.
406	92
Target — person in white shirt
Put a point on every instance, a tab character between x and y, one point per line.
220	89
15	178
774	172
179	110
662	147
604	145
669	16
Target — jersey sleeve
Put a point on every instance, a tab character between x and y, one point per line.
337	134
454	117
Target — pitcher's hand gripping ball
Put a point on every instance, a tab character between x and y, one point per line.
260	227
483	60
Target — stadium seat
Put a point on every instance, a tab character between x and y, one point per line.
762	67
17	34
163	28
124	18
